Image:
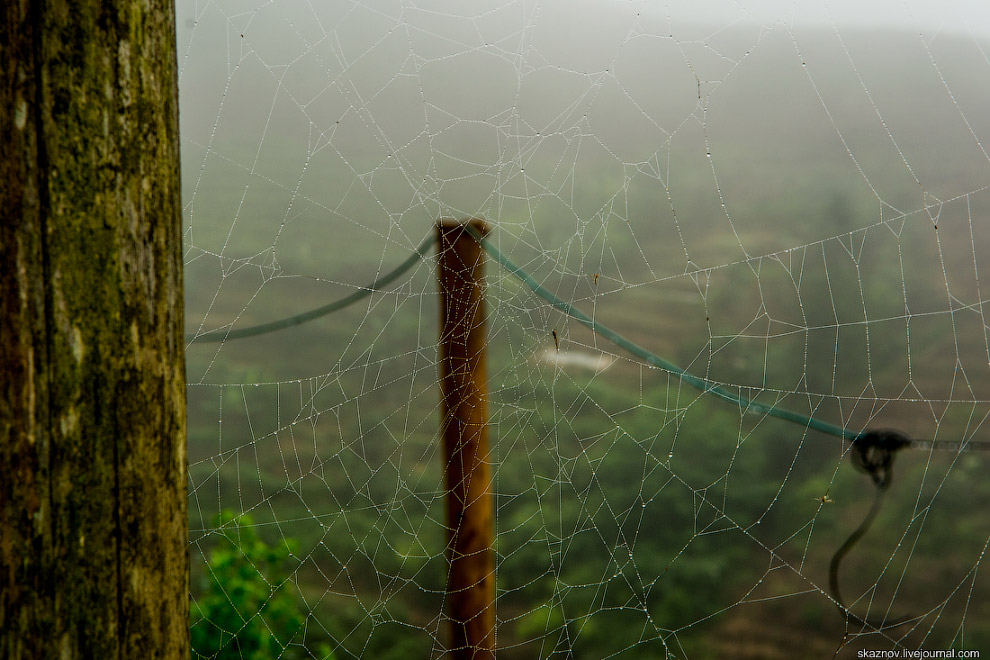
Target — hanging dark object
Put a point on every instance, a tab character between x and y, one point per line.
873	453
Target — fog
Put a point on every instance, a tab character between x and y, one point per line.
916	16
788	199
304	123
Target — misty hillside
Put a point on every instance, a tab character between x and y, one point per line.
616	166
796	214
543	130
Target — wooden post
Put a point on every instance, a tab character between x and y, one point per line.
94	553
464	427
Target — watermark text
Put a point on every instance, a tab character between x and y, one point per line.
921	653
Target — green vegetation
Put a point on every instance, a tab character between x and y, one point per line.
630	509
245	607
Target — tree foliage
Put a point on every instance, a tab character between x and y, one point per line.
248	608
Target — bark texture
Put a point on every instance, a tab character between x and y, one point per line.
93	524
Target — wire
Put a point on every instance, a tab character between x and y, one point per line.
224	335
873	453
706	386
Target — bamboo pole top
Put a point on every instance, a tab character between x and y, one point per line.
447	224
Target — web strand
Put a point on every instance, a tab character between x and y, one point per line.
724	250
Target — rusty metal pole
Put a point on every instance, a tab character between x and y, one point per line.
463	425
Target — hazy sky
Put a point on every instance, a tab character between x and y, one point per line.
928	15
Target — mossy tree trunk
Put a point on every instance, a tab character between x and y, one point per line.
93	525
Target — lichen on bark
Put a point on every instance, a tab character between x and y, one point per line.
93	526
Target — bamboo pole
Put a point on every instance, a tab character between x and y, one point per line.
463	425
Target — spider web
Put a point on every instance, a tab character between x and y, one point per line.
787	205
